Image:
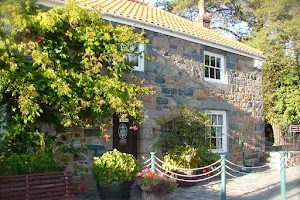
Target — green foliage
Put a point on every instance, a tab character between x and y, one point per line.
188	157
39	162
183	126
115	166
67	62
184	135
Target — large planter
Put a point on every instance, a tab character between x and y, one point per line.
147	195
114	191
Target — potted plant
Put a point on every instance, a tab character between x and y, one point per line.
154	186
114	172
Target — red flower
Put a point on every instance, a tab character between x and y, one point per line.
134	128
82	188
152	175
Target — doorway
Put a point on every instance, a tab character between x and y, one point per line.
124	139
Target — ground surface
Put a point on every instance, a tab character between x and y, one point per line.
254	186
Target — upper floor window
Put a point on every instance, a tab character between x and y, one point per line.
214	67
218	131
137	60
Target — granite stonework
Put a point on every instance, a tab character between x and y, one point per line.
78	159
175	71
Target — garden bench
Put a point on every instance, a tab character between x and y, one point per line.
46	186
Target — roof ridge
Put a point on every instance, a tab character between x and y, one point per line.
198	25
147	13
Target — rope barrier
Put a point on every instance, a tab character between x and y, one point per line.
189	176
146	161
231	175
199	180
189	169
247	167
236	170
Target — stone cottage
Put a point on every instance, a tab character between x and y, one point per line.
190	64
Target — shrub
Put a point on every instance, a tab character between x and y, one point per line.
184	139
115	166
39	162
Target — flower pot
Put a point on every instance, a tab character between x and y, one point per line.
114	191
147	195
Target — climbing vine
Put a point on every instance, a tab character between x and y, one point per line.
64	66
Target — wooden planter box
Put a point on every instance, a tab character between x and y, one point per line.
46	186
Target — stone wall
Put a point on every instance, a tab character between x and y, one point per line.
78	138
175	70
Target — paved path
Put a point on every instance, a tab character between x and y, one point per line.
254	186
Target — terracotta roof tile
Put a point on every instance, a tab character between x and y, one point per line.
148	13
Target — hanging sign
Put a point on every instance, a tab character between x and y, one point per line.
294	128
124	120
122	131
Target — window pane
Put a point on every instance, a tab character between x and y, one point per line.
219	131
212	72
213	143
214	119
218	62
219	143
220	119
213	61
218	76
206	72
206	60
213	132
133	60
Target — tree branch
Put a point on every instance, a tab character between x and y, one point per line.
228	30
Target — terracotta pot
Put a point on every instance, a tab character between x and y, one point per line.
147	195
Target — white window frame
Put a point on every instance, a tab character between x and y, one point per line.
222	68
224	130
141	59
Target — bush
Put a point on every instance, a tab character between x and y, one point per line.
15	164
115	166
184	139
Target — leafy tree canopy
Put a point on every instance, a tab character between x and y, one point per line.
67	63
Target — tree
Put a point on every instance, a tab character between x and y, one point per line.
66	64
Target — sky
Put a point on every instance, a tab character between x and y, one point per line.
150	1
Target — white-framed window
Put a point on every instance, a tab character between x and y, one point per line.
218	131
137	61
214	67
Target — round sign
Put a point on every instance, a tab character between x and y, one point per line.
122	131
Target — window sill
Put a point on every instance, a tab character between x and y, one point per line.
214	81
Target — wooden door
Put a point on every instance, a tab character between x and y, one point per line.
124	139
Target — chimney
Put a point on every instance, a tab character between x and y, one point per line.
203	19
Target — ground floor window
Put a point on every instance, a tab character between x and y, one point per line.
218	131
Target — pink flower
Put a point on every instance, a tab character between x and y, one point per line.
140	174
134	128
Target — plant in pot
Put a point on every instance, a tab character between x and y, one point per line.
153	186
114	173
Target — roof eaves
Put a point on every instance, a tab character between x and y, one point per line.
175	33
